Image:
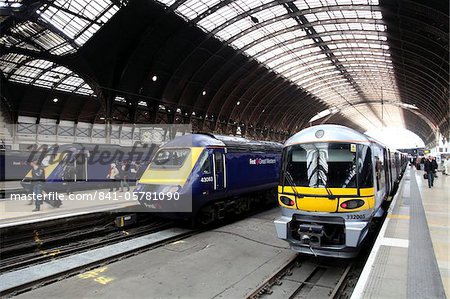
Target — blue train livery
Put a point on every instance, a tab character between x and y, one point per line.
205	176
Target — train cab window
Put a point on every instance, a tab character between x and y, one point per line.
218	161
322	164
205	161
334	165
365	167
48	159
341	166
170	158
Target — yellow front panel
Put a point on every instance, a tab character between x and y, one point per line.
317	204
179	176
313	203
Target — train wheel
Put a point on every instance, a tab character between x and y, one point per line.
242	205
206	215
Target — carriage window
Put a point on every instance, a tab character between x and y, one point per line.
379	169
170	158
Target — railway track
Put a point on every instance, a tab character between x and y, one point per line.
306	277
16	263
310	277
26	246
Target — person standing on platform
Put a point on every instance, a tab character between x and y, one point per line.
133	173
422	163
37	179
124	175
69	176
113	176
446	165
430	168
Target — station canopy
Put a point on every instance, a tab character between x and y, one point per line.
362	63
56	27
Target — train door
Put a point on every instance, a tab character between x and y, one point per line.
80	165
206	172
219	169
387	167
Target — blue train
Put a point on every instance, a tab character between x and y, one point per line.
91	164
14	165
204	177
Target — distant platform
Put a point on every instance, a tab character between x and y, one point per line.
17	211
9	187
410	258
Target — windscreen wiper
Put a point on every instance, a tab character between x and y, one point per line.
291	182
330	194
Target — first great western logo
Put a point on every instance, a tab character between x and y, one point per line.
259	161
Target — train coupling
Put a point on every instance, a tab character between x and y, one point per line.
310	234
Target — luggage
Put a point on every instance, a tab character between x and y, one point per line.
425	176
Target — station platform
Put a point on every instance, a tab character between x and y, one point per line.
18	211
228	262
9	187
410	258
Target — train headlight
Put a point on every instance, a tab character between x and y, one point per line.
352	204
287	201
170	189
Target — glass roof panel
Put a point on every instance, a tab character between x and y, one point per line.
344	42
78	20
26	70
167	2
32	36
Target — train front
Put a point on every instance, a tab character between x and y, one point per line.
168	183
52	163
326	191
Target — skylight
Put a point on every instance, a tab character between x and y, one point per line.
42	73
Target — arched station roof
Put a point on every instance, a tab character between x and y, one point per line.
267	67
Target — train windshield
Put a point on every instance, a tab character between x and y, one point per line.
48	159
170	158
331	165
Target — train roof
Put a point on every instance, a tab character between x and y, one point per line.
230	142
328	133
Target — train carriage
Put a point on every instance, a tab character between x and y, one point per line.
334	182
91	163
213	175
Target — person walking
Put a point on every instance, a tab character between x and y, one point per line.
113	176
37	179
430	167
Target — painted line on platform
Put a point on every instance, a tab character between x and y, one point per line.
395	242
